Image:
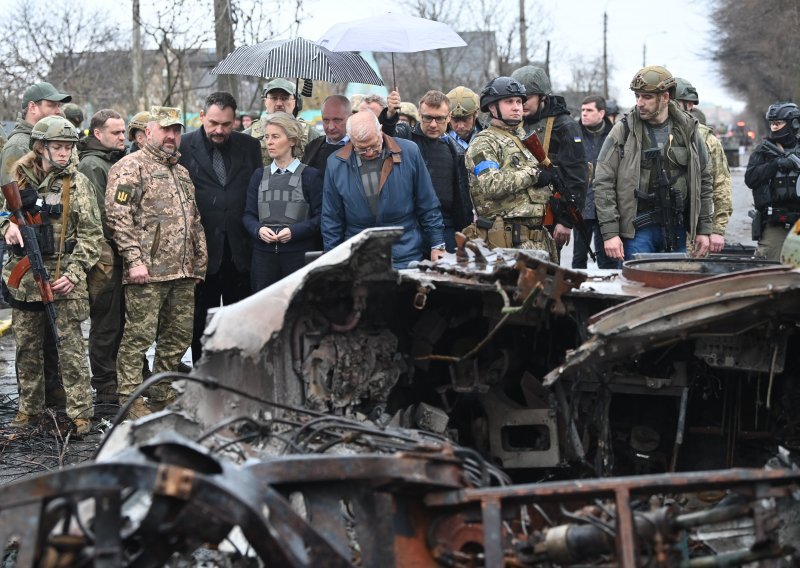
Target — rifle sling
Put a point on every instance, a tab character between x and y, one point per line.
515	139
64	221
548	131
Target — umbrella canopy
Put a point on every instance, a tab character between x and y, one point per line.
396	33
299	58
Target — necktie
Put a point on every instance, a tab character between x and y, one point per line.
219	165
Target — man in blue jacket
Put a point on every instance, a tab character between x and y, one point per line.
380	181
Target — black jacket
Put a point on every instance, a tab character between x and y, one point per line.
566	147
461	213
592	142
221	208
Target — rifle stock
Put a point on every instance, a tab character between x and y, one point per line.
33	257
560	200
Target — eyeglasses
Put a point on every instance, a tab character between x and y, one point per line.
439	119
371	150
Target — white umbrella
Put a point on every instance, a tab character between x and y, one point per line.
395	33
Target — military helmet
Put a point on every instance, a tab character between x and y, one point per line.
409	109
685	91
463	101
53	128
612	108
783	111
499	89
534	78
653	79
138	122
73	113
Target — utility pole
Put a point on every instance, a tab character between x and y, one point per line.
139	101
223	33
523	40
605	55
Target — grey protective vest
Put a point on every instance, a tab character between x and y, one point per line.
282	205
784	188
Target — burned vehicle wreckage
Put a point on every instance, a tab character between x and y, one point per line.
487	409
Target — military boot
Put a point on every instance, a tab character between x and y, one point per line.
137	410
82	426
22	420
157	405
106	394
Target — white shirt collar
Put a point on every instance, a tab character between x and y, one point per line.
273	168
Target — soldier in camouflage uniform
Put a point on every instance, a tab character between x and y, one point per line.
155	225
280	95
508	191
54	194
686	96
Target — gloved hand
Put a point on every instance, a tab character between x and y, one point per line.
544	178
785	164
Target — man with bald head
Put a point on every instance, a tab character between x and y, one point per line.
378	181
336	109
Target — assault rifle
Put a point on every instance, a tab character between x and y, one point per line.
562	201
33	257
667	200
776	151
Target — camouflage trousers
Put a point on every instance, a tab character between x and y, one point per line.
29	329
162	312
501	235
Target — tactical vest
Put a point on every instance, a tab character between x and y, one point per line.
676	163
282	203
783	188
48	205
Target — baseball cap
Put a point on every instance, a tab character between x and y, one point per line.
43	91
166	116
282	84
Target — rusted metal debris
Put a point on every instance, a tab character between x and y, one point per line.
355	415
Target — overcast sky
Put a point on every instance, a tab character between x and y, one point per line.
676	34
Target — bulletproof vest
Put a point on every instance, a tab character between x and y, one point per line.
676	158
441	167
280	198
783	188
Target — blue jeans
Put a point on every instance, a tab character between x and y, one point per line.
651	239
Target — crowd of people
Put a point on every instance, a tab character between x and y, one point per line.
145	238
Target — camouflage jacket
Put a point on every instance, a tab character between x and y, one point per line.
501	176
83	231
153	216
257	131
720	180
17	145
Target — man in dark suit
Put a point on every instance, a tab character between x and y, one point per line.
220	163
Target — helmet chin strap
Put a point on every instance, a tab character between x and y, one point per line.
505	120
49	159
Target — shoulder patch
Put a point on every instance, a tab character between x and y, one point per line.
123	195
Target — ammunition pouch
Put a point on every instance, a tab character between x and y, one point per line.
507	233
29	198
45	238
54	210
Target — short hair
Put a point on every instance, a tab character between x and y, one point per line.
100	118
599	102
221	99
362	131
373	98
341	100
435	99
291	126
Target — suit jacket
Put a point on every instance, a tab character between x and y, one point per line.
221	207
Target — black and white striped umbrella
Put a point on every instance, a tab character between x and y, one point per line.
297	58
